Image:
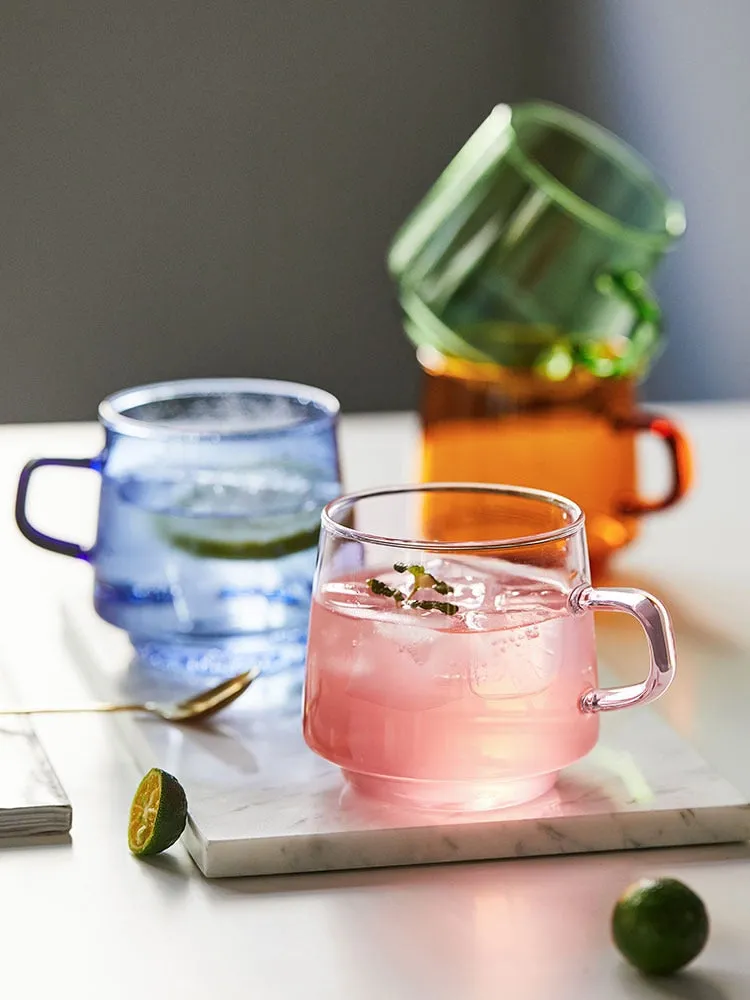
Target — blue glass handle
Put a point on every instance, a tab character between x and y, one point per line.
27	528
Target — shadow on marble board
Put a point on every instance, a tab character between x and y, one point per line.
216	741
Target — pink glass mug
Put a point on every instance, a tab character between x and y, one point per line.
459	672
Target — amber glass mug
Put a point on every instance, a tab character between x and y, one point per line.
483	423
523	280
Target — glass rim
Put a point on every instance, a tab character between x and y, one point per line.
348	500
111	408
607	144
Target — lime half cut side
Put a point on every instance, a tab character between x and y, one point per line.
158	813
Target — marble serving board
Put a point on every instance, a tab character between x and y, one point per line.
262	803
32	800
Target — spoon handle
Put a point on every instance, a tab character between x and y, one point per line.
64	710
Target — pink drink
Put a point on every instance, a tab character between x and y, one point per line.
474	710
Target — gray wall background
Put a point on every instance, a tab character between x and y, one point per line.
193	188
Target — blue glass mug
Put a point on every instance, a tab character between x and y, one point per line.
209	515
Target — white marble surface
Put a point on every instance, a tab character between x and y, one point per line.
262	803
528	928
32	800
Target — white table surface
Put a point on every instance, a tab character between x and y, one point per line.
84	918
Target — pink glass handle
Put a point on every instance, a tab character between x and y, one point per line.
656	623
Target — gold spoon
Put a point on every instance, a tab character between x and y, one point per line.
193	709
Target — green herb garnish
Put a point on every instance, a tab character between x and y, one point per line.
421	580
445	606
382	589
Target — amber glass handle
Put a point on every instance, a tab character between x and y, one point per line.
679	456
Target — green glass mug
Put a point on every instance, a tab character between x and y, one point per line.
534	247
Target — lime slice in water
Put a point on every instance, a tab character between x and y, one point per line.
263	514
244	548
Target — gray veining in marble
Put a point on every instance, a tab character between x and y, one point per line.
261	802
32	800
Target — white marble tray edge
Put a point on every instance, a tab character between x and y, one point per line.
496	840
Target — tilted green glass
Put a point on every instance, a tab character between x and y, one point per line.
535	246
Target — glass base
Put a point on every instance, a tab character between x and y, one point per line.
223	656
451	796
195	665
